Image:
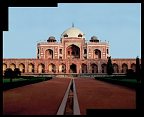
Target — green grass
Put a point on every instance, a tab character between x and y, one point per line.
18	82
120	80
129	80
7	80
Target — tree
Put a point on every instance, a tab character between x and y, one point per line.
138	69
109	66
9	73
17	72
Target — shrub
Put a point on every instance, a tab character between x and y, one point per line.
17	72
130	73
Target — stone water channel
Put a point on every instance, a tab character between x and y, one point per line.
69	105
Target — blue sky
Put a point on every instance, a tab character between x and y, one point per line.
118	23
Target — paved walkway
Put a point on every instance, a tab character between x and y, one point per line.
94	94
42	98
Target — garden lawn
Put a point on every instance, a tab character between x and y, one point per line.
18	82
7	80
125	81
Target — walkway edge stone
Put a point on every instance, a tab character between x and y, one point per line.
64	101
76	104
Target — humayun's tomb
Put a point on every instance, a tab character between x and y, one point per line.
71	55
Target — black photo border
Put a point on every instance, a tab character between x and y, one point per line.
4	26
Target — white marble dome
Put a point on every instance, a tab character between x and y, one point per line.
72	32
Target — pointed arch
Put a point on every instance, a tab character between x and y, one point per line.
4	66
104	68
62	68
22	67
133	67
124	68
73	68
12	66
31	68
94	68
49	54
73	51
84	68
52	68
41	68
116	68
97	54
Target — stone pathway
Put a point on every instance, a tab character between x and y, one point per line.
94	94
37	99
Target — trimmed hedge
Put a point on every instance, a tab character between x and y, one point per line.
119	80
30	80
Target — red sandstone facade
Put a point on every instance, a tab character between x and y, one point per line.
72	55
